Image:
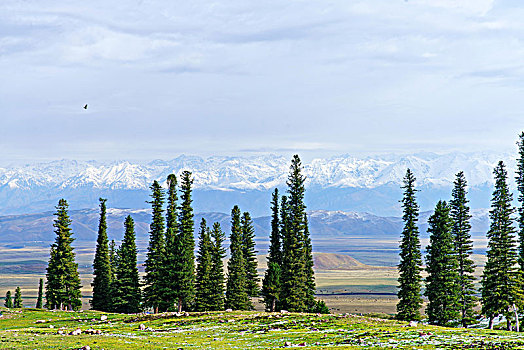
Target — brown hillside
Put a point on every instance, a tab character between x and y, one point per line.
329	261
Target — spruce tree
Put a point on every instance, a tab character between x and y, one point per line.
171	258
309	273
237	297
294	292
250	255
464	248
216	276
8	300
442	283
62	282
101	266
203	269
153	265
271	281
520	188
126	286
18	298
185	246
500	281
410	300
39	299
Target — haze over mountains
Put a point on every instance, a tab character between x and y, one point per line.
324	225
347	183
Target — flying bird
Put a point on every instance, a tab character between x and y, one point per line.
85	107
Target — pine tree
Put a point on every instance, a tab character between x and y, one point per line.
310	274
185	246
237	297
8	300
155	252
271	281
520	188
101	266
410	301
464	248
63	282
203	270
294	292
39	300
500	280
442	287
18	298
250	255
216	276
126	286
171	258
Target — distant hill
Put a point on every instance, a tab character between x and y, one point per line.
324	224
329	261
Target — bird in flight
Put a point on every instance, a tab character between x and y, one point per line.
85	107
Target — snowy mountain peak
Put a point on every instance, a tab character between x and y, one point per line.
255	173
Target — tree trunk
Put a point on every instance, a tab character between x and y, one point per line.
179	305
516	318
490	326
273	302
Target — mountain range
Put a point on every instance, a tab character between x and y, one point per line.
324	225
347	183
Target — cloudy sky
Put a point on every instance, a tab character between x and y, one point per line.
232	77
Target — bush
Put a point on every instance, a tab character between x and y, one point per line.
320	307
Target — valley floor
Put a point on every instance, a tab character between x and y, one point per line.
35	329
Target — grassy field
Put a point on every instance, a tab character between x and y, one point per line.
32	329
346	284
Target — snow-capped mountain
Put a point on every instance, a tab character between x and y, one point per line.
338	183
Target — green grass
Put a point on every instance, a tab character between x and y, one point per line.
237	330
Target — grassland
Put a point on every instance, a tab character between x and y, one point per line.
33	329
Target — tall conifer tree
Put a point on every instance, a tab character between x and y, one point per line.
271	281
8	300
464	248
39	299
171	258
126	286
309	273
501	289
102	266
18	299
520	189
218	253
185	272
63	282
410	300
250	255
442	287
294	292
155	252
203	269
237	297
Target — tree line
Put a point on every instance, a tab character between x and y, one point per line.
178	280
449	285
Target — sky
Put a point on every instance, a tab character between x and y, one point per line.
236	77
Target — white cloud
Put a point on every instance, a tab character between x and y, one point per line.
332	75
475	7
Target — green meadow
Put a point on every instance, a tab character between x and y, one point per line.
34	329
